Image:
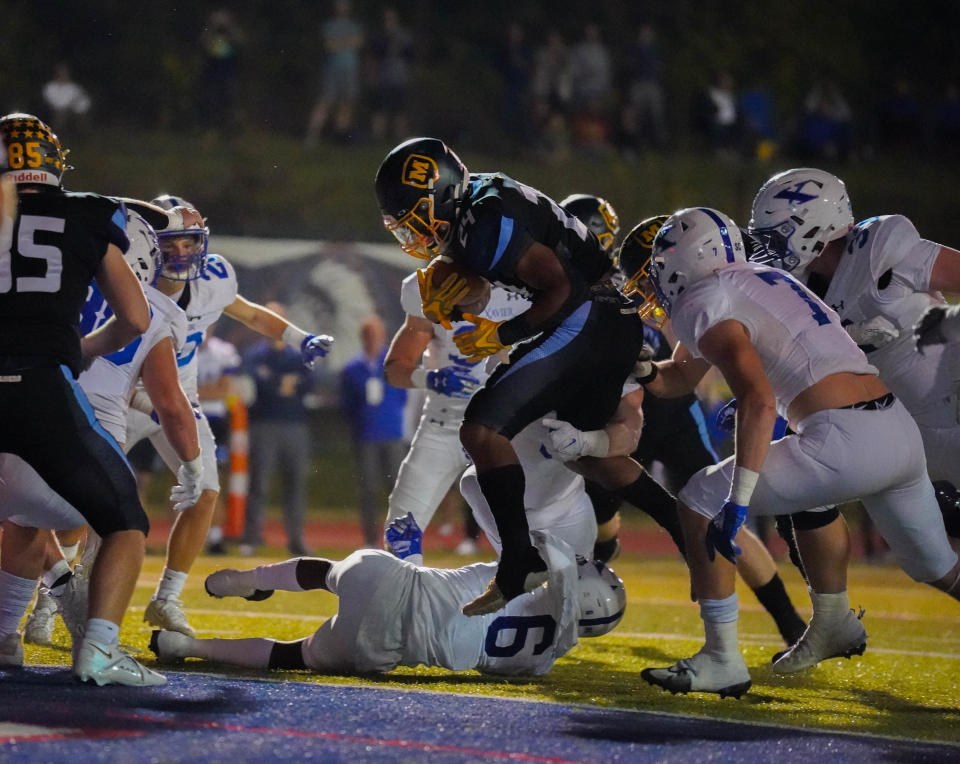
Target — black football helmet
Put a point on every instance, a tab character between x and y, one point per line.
419	186
183	250
633	261
597	214
34	153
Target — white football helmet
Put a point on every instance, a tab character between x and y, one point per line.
601	599
143	256
797	212
692	244
183	251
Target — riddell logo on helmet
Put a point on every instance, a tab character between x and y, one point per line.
419	171
32	176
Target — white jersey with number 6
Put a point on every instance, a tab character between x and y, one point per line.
393	613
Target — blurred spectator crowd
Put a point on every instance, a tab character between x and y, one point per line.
543	84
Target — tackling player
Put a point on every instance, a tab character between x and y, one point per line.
423	354
391	612
783	351
204	286
880	276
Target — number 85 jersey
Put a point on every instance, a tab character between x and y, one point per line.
203	300
798	338
47	260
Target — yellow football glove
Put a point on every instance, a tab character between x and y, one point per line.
481	341
439	301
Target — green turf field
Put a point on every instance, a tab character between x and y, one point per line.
907	684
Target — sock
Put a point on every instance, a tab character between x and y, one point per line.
15	596
253	652
70	552
776	602
56	578
171	585
829	608
90	549
279	575
503	488
101	630
648	495
720	625
604	550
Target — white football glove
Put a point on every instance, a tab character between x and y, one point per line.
141	402
873	334
187	490
568	443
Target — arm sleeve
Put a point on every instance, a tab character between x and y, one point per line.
157	220
898	245
410	296
494	242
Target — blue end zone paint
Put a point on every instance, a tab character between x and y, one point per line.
206	718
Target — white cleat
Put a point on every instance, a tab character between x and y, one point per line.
702	673
108	664
11	650
843	640
39	627
169	646
168	614
231	582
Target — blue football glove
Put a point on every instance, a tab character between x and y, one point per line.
404	537
727	416
722	529
454	381
315	347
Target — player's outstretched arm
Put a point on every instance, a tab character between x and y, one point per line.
678	376
264	321
619	437
125	297
406	349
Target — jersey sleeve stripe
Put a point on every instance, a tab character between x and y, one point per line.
506	233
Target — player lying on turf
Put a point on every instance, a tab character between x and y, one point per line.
393	612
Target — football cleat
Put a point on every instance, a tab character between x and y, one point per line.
108	664
818	643
230	582
11	650
39	627
508	584
702	673
168	614
169	646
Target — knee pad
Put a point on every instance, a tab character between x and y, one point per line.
810	521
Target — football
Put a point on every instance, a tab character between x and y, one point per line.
479	288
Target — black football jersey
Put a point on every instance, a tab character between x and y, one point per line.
57	243
501	218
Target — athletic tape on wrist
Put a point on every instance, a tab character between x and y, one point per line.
742	485
294	337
